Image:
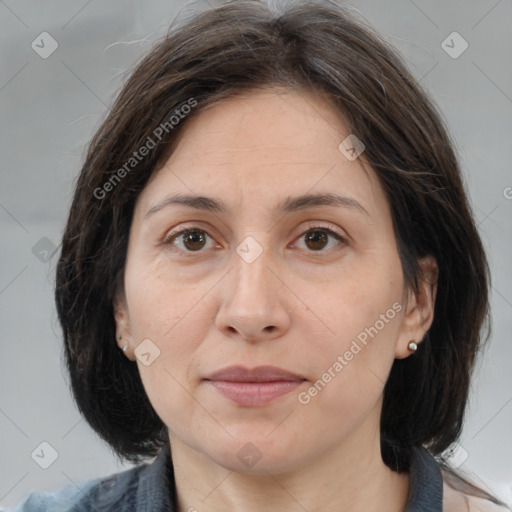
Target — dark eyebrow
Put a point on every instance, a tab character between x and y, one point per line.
290	204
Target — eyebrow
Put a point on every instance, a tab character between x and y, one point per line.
290	204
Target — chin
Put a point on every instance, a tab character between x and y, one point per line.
255	455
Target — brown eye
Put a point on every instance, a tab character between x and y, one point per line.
189	240
194	240
318	238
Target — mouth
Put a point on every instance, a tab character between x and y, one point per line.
253	387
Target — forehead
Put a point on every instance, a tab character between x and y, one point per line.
263	146
257	122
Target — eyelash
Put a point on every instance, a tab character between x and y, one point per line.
168	240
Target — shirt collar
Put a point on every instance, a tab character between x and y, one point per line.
426	483
156	491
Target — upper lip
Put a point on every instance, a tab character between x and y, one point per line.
257	374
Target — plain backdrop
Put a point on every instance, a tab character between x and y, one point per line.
50	106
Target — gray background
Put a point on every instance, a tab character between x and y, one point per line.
49	109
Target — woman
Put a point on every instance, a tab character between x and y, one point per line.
271	278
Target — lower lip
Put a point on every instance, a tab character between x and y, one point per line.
252	394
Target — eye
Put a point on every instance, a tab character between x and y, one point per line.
316	238
189	239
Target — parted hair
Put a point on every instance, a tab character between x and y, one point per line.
245	46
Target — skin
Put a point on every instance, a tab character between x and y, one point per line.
209	308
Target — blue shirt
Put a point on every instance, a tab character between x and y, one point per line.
151	488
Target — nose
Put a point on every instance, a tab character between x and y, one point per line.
253	301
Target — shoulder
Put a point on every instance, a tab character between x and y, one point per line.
461	496
102	494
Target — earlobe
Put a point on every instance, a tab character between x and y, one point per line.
419	311
122	323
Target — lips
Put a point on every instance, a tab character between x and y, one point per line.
258	374
253	387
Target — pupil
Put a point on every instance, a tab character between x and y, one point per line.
194	240
317	237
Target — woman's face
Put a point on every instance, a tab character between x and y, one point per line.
266	277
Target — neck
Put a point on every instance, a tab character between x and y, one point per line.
351	477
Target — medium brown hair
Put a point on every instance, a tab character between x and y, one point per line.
308	46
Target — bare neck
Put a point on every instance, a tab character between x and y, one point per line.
350	478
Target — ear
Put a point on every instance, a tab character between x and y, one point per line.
123	331
419	308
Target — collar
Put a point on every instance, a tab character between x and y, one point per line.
426	483
156	491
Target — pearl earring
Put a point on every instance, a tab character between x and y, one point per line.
413	346
125	347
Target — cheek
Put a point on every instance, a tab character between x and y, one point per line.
359	327
173	319
160	302
364	294
351	372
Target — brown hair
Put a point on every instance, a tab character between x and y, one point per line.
239	47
